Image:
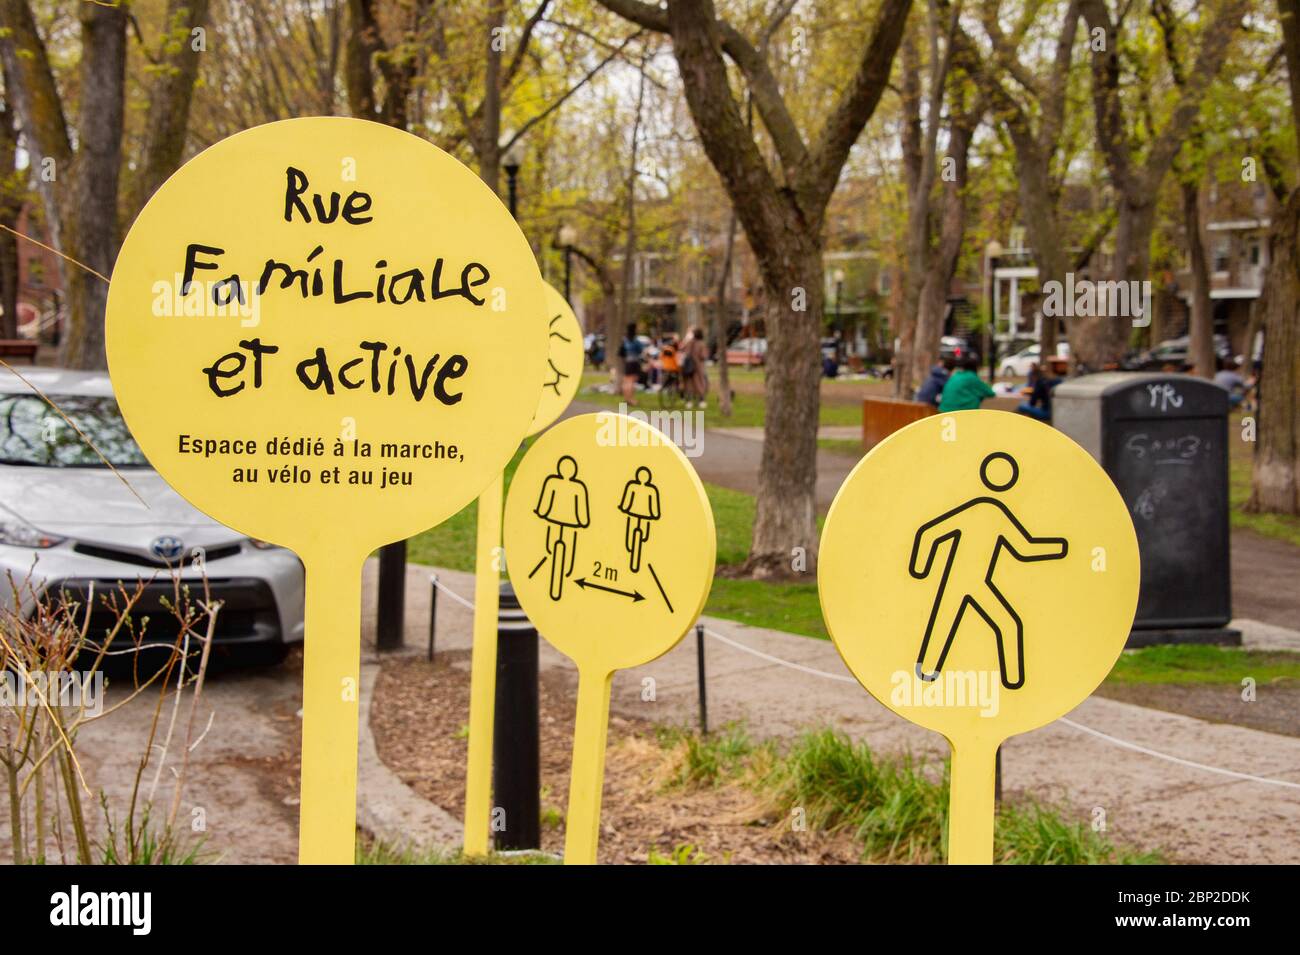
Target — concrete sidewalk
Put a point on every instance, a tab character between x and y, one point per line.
1195	815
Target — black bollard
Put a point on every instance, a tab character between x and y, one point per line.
389	620
699	672
516	764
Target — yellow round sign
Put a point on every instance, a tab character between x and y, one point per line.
979	573
324	332
564	361
609	540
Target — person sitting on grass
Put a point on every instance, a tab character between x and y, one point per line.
965	390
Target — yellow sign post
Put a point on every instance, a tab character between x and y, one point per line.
979	575
611	549
564	363
323	332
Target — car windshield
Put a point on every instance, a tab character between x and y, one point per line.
33	433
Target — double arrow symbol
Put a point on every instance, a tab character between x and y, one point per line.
636	595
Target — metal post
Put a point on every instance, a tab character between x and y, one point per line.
993	316
392	596
997	778
512	178
516	763
568	272
433	611
699	667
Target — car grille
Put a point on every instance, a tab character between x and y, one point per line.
140	560
248	613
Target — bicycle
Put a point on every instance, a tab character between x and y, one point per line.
671	394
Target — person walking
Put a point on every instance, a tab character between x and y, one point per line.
630	352
965	389
695	379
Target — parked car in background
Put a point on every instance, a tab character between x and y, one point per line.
1172	353
69	525
956	349
747	351
1018	365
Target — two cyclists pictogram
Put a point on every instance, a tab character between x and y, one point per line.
565	507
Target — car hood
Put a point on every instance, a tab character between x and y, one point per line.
94	506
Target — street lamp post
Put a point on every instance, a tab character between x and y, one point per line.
838	275
992	252
516	763
511	163
568	239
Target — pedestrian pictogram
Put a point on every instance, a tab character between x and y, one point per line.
610	547
978	573
967	580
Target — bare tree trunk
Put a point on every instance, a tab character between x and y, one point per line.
10	208
783	219
1275	481
171	92
1099	341
943	258
785	509
720	323
1201	325
90	206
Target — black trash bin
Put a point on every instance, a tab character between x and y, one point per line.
1163	439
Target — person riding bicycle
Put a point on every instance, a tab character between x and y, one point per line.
641	505
563	505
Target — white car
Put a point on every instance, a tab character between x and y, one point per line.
67	521
1018	365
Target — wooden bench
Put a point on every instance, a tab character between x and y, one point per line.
23	349
881	417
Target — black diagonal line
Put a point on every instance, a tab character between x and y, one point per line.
537	568
661	587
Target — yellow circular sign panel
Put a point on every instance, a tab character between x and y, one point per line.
609	541
979	574
325	332
564	361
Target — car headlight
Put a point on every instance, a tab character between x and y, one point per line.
264	545
18	533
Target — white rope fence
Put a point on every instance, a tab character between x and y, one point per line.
841	678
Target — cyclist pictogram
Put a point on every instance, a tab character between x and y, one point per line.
563	505
641	505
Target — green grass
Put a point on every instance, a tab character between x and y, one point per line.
847	446
1281	527
1190	663
898	810
706	760
381	853
748	409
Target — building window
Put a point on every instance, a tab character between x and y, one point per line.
1221	254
